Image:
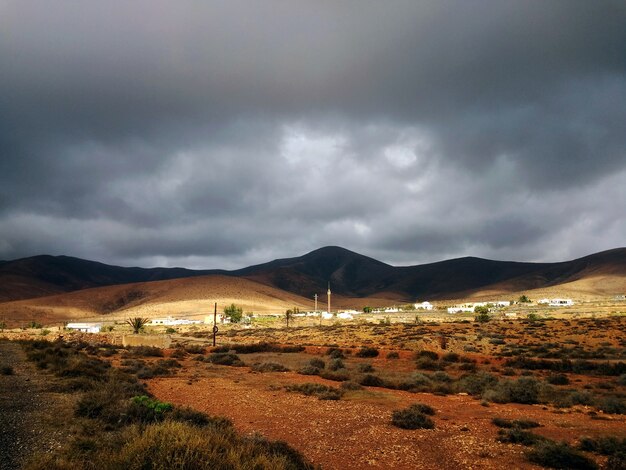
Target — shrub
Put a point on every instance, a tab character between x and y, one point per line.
523	390
367	352
612	405
6	370
468	367
198	419
557	379
143	409
429	354
309	370
335	353
180	445
269	367
517	435
423	408
338	376
393	355
317	363
370	380
609	445
476	384
225	359
441	376
349	385
195	349
559	455
145	351
411	418
365	368
323	392
336	364
451	357
426	363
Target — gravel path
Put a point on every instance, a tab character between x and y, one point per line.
23	399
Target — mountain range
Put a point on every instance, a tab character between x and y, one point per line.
350	275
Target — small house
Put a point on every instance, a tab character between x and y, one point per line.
84	327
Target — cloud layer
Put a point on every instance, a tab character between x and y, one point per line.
213	134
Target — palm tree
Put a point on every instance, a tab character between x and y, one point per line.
137	323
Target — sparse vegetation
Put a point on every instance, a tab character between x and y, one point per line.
559	455
414	417
323	392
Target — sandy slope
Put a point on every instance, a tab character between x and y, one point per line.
180	297
195	298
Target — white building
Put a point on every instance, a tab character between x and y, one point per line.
460	308
85	327
561	303
502	303
169	321
345	316
423	306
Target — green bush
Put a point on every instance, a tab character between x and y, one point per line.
233	313
411	418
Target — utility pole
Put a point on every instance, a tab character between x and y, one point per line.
315	297
215	328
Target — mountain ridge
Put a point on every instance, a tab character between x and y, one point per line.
350	274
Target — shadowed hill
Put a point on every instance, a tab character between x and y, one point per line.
43	275
350	275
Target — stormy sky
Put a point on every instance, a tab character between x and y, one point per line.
215	134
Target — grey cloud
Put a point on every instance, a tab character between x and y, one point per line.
214	132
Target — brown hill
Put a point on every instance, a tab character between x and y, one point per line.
190	297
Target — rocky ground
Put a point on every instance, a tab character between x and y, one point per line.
356	431
27	406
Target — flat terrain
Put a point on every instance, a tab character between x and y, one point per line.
567	377
356	430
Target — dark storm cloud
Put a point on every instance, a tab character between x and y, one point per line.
221	134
